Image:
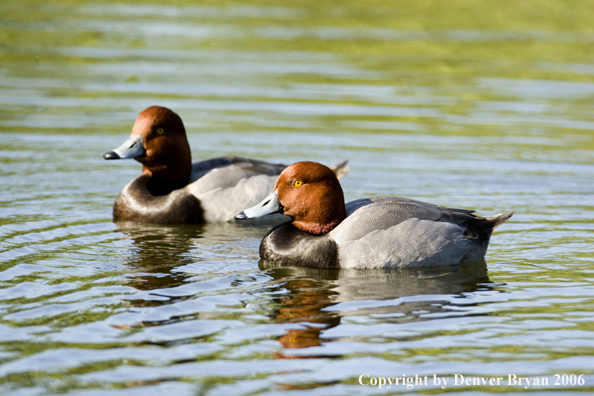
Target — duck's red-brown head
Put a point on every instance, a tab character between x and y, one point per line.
158	141
309	193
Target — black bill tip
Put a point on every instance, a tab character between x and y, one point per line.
110	155
240	216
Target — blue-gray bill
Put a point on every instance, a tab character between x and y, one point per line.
269	205
131	148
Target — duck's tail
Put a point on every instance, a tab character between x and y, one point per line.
497	220
341	169
484	226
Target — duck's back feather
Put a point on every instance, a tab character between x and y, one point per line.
380	213
222	203
227	185
394	231
201	168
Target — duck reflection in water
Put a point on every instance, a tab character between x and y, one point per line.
157	251
319	298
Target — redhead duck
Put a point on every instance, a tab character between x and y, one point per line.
365	233
172	189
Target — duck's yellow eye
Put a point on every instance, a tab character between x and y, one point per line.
160	131
297	183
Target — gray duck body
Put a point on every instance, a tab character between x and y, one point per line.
386	232
217	189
